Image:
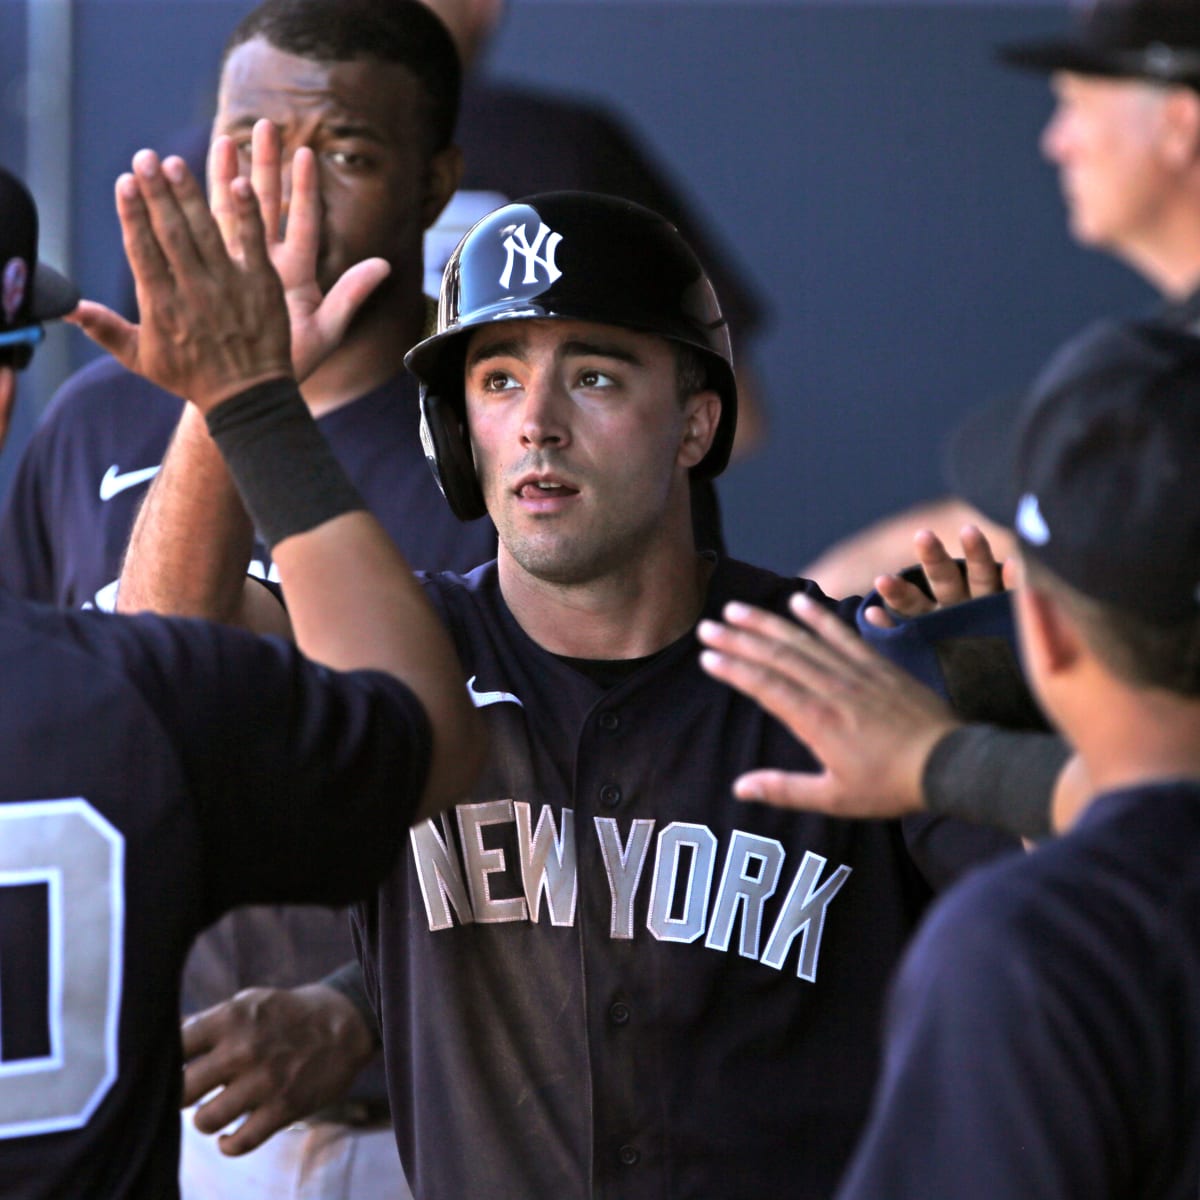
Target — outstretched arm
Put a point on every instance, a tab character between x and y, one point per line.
215	329
192	539
888	745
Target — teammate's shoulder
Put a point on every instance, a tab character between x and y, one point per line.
105	389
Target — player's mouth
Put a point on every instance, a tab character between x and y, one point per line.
544	493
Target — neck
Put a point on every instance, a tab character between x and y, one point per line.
372	351
1169	258
630	613
1129	736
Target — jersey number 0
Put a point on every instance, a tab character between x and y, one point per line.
62	920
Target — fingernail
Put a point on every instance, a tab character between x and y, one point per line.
173	169
735	610
708	629
145	163
127	186
746	791
709	659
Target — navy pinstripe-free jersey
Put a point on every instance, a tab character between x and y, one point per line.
63	532
1044	1039
67	517
601	975
155	774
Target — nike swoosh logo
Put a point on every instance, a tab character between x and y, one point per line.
483	699
114	482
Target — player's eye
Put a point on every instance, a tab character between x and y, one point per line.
497	381
352	160
593	378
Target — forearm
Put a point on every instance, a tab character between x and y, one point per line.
353	601
192	539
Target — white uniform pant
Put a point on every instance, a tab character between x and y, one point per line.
316	1160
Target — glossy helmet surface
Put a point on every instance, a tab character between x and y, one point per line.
571	256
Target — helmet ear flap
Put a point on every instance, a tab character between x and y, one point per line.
449	456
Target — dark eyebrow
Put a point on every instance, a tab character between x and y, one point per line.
503	349
584	349
348	129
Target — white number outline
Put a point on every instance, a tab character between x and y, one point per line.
91	894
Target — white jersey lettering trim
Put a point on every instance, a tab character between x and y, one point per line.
548	864
805	917
672	841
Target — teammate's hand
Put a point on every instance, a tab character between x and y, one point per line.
948	582
293	232
276	1055
870	724
211	326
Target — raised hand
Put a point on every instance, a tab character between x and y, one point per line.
869	723
212	324
293	232
948	582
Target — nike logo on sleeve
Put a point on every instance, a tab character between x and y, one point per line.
115	481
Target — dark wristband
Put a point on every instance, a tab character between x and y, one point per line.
349	981
995	777
284	470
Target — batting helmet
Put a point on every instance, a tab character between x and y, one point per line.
567	256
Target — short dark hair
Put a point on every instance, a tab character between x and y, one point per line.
404	32
1143	652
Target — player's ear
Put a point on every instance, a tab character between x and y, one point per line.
701	416
8	393
1049	640
1181	128
442	177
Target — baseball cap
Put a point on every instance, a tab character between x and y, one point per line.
1095	468
1158	40
30	291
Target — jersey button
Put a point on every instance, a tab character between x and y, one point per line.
610	795
610	722
619	1013
628	1155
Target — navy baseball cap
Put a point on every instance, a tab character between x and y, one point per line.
1097	467
1157	40
30	291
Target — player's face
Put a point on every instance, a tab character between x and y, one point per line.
379	184
1104	138
581	443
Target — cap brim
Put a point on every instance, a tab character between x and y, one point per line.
981	458
1048	56
54	295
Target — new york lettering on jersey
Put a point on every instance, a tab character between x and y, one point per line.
611	949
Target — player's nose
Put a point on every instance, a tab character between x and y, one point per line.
544	410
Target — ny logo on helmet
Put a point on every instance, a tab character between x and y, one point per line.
518	243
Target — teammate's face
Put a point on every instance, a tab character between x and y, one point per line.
581	443
1104	137
379	185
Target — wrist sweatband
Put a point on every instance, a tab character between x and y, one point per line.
288	477
995	777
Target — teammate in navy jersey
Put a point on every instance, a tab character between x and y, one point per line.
603	976
158	773
382	133
1060	993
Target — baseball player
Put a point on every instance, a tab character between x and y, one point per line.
602	976
157	773
1061	991
372	89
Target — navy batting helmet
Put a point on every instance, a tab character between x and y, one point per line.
571	256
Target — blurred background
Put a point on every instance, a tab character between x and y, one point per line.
872	171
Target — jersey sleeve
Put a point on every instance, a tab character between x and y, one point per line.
995	1080
26	549
305	780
